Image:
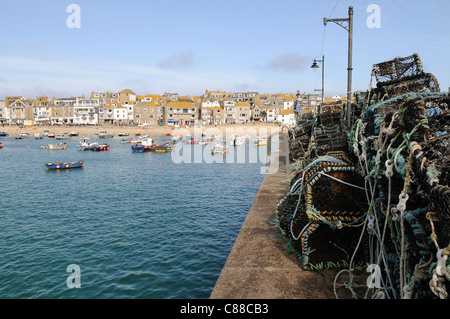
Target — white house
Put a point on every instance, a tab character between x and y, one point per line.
4	113
120	114
287	117
85	111
271	113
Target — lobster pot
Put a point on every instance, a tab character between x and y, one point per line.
315	221
328	142
330	119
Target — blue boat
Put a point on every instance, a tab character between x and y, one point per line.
4	134
65	165
144	145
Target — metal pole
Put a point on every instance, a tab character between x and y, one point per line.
323	75
349	68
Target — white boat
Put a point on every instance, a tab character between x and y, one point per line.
59	146
45	133
84	143
73	133
219	149
62	136
123	134
104	134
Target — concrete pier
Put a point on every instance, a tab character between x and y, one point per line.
258	266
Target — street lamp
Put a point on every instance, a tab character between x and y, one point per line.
349	28
315	66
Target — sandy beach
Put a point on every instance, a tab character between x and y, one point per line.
253	129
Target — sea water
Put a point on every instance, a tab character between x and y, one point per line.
135	225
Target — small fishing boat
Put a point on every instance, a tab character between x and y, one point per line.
24	134
62	136
1	145
65	165
104	134
38	136
59	146
45	133
143	145
163	148
51	135
73	133
219	149
18	137
99	147
261	141
4	134
86	145
123	134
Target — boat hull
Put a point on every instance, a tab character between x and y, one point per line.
65	165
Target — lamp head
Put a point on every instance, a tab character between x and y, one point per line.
314	66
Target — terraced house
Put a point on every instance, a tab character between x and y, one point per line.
242	112
146	113
182	113
21	110
212	113
62	110
85	111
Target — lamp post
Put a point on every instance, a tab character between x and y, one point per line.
314	66
349	28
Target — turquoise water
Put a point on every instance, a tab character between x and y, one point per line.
139	225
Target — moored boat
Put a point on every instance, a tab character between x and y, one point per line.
104	134
86	145
1	145
73	133
163	148
51	134
65	165
59	146
143	145
219	149
38	136
4	134
123	134
99	147
62	136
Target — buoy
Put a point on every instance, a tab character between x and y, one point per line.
160	164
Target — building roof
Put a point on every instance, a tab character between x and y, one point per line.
242	104
126	91
287	112
145	104
177	104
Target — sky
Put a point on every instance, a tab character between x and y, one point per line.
187	47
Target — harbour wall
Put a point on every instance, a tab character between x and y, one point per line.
258	266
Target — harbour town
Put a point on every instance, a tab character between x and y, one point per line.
141	189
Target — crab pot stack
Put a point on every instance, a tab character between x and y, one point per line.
315	214
387	183
402	144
